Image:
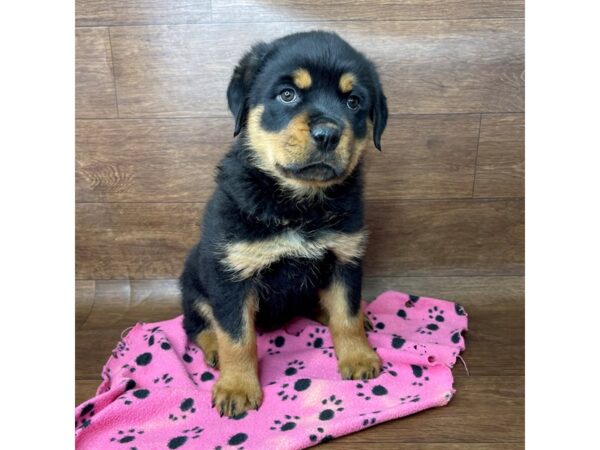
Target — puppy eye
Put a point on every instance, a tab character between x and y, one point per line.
287	95
353	102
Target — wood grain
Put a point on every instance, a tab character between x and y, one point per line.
85	291
501	156
276	10
140	12
169	160
149	160
407	238
430	67
94	83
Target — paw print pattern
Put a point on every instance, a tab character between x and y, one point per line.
299	385
85	416
316	338
412	301
436	314
202	377
190	353
397	341
276	343
165	379
410	399
369	418
121	350
139	394
126	436
388	368
186	407
377	324
150	336
234	440
428	329
332	405
178	441
367	392
285	424
320	436
455	336
460	311
402	314
419	373
293	367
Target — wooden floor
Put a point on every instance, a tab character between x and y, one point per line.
445	199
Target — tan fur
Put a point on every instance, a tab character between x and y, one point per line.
207	341
293	146
356	358
237	389
346	83
302	79
245	259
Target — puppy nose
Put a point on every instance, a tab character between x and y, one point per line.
327	136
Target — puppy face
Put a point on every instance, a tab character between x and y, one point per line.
309	104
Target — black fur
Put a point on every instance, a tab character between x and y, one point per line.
249	204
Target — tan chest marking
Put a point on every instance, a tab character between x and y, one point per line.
245	259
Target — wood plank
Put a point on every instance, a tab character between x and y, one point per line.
501	156
134	240
277	10
84	300
94	81
407	238
149	160
140	12
85	389
168	160
445	237
426	67
495	340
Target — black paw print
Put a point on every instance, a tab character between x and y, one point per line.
428	329
387	368
189	354
418	372
402	314
203	377
316	338
165	379
121	349
85	415
186	407
366	394
412	300
299	385
397	341
126	436
141	360
377	325
286	424
436	314
321	437
293	367
329	413
139	394
455	336
278	342
459	310
150	337
368	421
410	399
178	441
236	439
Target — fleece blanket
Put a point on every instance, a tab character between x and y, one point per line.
156	389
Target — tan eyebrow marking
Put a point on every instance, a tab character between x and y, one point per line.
347	82
302	78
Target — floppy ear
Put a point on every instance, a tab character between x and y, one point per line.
241	83
379	115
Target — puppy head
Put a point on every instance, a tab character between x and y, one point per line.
309	103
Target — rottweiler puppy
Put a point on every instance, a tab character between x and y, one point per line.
283	234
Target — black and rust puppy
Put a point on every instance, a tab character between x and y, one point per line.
283	233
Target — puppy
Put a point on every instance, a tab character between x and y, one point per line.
283	233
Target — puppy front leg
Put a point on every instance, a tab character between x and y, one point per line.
238	388
341	300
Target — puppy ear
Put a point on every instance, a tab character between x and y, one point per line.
241	83
379	115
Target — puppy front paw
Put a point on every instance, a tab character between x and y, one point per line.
236	395
361	364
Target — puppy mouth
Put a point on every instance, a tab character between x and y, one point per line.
317	171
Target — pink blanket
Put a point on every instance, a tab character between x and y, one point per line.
156	391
